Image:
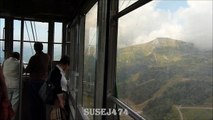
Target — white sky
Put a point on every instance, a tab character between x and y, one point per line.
191	23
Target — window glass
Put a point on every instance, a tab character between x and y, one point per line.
57	39
125	3
28	50
57	51
17	36
2	51
16	46
90	57
58	33
35	31
164	60
17	30
2	24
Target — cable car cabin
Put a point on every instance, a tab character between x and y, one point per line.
129	59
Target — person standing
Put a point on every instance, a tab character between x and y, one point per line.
58	78
11	72
6	111
38	70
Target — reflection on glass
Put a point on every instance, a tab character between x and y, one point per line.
35	31
90	57
58	33
164	60
125	3
57	51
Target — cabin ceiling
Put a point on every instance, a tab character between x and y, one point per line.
44	10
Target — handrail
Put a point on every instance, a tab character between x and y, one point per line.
131	112
78	108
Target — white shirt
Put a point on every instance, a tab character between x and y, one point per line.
63	79
11	71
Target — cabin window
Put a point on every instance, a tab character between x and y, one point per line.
164	60
33	32
90	57
57	41
17	30
17	36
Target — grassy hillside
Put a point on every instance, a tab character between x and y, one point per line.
197	114
163	73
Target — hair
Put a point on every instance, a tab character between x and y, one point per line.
65	60
38	46
15	55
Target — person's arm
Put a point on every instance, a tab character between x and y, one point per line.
61	99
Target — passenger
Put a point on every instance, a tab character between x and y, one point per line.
57	77
6	111
38	69
11	72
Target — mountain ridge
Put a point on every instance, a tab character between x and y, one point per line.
164	71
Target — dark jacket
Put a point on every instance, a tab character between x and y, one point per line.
38	66
55	78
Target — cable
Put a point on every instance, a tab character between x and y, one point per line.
28	36
32	30
121	5
128	3
35	31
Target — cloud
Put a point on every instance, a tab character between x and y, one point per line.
197	25
192	24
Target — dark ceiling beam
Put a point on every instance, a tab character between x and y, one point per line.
58	10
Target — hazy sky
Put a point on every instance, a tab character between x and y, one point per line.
189	21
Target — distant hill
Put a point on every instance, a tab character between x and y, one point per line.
163	73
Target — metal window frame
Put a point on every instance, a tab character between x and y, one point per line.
8	36
102	22
105	78
130	8
50	46
131	112
112	51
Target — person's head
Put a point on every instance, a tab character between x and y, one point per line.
64	62
15	55
38	46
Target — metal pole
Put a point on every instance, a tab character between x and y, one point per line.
21	69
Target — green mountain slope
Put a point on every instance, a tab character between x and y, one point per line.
163	73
